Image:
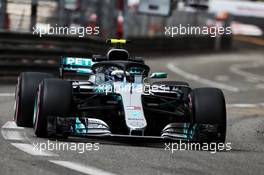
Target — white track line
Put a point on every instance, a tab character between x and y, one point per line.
12	135
238	69
245	105
11	125
30	149
81	168
7	94
199	79
9	133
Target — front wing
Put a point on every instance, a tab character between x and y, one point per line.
96	128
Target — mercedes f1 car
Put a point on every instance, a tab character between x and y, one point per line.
114	95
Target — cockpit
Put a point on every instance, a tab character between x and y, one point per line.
121	70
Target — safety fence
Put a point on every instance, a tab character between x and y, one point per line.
28	52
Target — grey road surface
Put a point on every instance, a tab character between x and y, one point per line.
241	76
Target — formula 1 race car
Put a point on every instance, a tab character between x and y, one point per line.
114	95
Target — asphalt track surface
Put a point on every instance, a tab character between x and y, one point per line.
241	76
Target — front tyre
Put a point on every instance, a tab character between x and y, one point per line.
209	109
54	99
26	90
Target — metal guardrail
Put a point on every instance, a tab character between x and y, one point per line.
25	51
28	52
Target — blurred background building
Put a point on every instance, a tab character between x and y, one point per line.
121	16
120	19
18	15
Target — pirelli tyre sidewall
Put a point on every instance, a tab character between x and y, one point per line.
209	108
26	89
54	100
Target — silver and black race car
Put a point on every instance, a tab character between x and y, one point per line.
114	95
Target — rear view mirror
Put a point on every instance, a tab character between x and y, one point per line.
155	7
158	75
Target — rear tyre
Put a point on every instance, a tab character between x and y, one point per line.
26	89
209	109
54	99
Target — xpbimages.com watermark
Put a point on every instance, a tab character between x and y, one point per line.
65	146
192	146
147	89
180	29
60	30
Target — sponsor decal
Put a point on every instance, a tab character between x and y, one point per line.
133	108
79	61
135	114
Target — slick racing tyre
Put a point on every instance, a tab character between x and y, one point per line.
54	99
209	108
26	89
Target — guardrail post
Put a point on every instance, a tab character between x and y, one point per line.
3	14
61	7
33	18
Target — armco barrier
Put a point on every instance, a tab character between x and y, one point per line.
27	52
